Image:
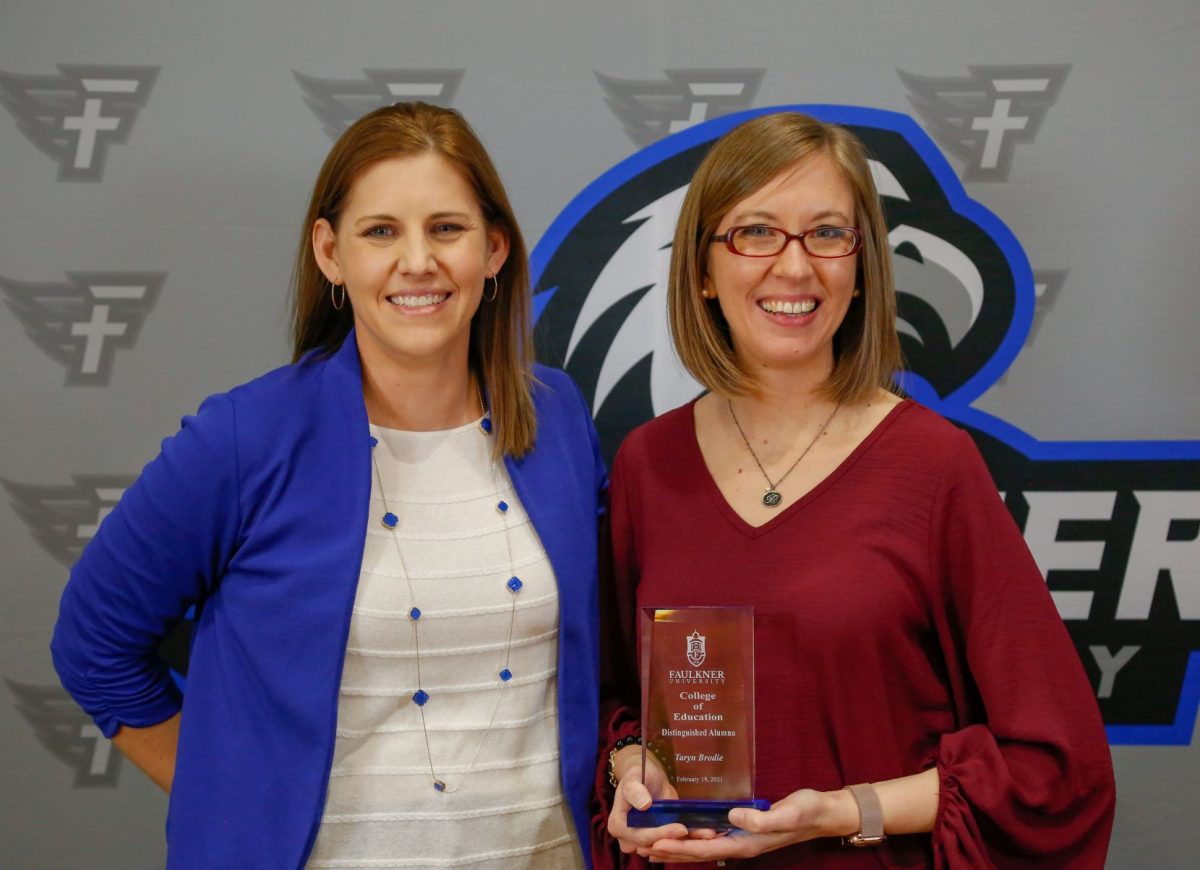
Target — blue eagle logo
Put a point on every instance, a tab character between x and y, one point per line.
966	300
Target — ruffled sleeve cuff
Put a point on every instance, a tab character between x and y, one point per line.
606	854
1019	805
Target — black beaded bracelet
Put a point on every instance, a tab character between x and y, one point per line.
627	740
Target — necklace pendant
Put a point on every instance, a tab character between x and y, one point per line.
439	785
771	498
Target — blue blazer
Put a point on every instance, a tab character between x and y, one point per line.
256	513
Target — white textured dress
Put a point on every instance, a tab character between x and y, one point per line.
494	744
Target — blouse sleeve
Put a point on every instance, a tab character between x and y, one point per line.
161	550
620	690
1027	780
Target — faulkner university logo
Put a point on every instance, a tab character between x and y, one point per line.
68	733
696	653
63	518
981	118
74	117
338	103
1113	525
82	323
650	110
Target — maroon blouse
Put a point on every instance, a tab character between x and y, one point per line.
900	623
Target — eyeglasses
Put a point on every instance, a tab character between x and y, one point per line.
763	241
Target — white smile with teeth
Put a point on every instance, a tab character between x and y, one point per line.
775	306
418	301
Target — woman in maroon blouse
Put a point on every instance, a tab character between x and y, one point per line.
905	640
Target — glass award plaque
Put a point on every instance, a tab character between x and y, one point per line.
697	670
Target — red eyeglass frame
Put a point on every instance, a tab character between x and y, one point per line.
727	238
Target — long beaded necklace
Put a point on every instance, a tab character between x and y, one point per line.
513	584
771	498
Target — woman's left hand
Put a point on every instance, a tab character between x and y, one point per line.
803	815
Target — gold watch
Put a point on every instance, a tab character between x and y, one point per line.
870	816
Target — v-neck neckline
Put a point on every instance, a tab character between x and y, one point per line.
753	531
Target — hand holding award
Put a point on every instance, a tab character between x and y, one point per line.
697	667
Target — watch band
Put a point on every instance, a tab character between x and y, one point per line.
870	815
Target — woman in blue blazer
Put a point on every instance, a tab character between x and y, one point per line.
390	546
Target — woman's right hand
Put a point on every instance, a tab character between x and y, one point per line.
631	792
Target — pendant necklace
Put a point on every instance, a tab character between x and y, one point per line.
512	583
771	498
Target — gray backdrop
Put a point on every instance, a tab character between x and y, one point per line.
156	159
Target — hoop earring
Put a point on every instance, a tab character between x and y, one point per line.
337	302
495	289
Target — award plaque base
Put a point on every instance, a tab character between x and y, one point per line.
693	814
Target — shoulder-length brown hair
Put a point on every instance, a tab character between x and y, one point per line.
501	350
866	349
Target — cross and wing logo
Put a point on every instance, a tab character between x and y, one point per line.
338	103
63	519
650	109
68	734
82	323
981	118
74	117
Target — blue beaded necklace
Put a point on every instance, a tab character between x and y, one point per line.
513	584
